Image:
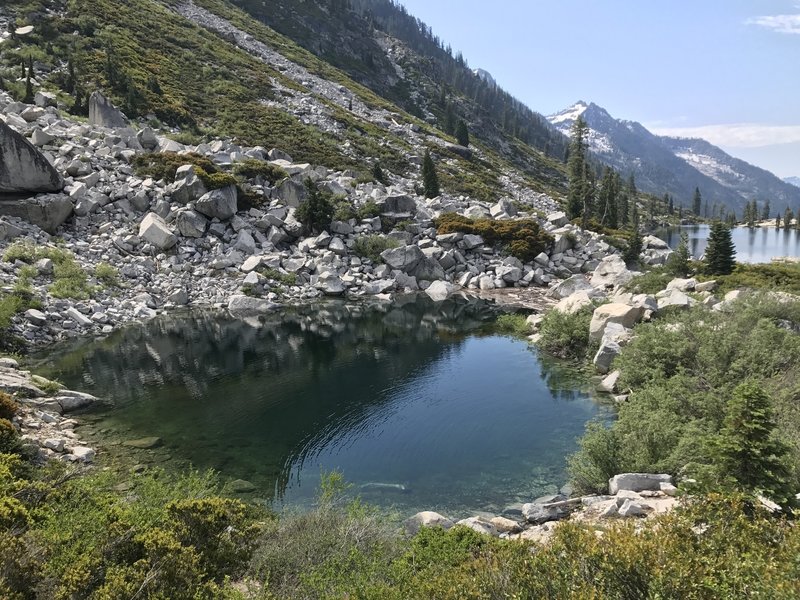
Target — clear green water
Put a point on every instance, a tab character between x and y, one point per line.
409	395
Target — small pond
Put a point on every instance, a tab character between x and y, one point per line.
756	245
417	404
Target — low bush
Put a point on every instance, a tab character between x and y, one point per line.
106	274
9	438
250	168
513	324
287	279
163	165
566	335
368	210
523	238
782	277
8	407
215	180
344	211
371	246
650	282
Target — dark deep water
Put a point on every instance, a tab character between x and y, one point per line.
413	395
757	245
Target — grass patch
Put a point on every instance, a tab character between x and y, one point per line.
512	324
776	277
107	274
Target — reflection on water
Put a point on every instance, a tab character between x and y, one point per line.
413	402
753	245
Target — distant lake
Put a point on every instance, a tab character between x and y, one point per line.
756	245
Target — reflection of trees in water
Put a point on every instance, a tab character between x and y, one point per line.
214	366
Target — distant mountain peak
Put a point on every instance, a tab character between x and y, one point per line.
674	166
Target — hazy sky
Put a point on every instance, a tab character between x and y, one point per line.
725	70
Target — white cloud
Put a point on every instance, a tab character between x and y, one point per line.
737	135
779	23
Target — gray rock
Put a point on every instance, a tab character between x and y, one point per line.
292	192
241	305
399	204
330	284
154	230
188	188
36	317
404	258
191	223
478	524
611	272
218	204
637	482
426	518
439	291
103	114
23	169
608	351
558	219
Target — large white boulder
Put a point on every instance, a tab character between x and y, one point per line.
440	290
426	518
154	230
625	315
103	114
219	204
23	169
611	272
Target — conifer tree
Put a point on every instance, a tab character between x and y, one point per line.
430	179
765	212
635	243
576	168
462	134
778	221
69	86
28	99
746	448
678	261
787	218
697	202
377	173
720	253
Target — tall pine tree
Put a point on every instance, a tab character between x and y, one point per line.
697	202
576	167
430	179
462	134
720	253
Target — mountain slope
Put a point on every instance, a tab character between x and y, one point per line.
737	175
212	70
666	165
792	181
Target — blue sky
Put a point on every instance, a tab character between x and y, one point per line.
725	70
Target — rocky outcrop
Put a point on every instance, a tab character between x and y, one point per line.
47	211
104	114
23	169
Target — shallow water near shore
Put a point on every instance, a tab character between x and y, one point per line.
417	404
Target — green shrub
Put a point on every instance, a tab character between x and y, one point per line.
163	165
316	213
371	246
523	238
597	460
250	168
783	277
215	180
565	335
649	282
287	279
9	438
344	211
8	407
70	281
514	324
106	274
368	210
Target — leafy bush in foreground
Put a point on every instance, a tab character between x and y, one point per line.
371	246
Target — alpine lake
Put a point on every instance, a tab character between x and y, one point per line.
420	405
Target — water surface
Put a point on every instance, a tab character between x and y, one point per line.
416	404
756	245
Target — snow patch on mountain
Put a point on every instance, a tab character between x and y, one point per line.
792	181
569	115
709	166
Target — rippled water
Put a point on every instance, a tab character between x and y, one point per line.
756	245
415	403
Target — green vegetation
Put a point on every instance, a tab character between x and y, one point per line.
8	407
316	213
512	324
368	210
566	335
720	253
371	246
523	238
287	279
163	165
649	282
250	168
678	262
430	179
777	277
69	279
684	372
106	274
